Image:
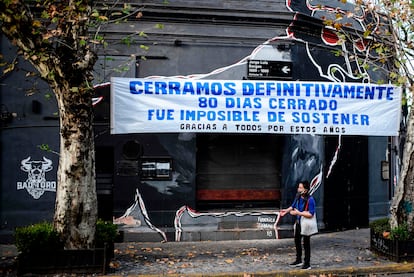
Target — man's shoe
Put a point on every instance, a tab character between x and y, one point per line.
306	267
296	264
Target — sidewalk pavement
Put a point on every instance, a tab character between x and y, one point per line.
333	254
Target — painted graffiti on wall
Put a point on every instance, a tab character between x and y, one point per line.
350	67
36	184
266	220
135	214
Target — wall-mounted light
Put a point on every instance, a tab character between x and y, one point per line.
385	170
5	115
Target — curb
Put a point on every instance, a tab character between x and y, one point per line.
342	271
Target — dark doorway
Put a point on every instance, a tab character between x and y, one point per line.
104	164
346	189
238	171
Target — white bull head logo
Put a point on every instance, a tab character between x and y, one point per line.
36	183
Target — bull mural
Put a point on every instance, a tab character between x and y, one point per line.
36	183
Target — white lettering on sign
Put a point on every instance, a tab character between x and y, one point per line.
266	222
266	219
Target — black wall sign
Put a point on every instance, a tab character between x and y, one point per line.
261	69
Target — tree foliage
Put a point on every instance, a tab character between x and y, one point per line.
53	36
391	36
55	41
400	14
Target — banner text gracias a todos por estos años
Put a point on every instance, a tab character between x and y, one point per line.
228	106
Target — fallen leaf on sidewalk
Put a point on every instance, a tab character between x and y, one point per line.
229	261
130	252
250	252
162	260
114	264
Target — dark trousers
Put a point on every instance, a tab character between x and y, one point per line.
298	244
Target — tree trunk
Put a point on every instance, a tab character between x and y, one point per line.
76	201
402	203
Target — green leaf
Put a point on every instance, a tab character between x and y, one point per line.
127	40
159	26
48	96
95	13
45	15
126	9
144	47
367	33
142	34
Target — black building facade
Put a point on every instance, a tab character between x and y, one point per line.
203	186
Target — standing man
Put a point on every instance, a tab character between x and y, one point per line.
303	205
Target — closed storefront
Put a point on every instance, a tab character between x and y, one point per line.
201	181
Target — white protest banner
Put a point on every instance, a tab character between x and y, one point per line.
245	106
